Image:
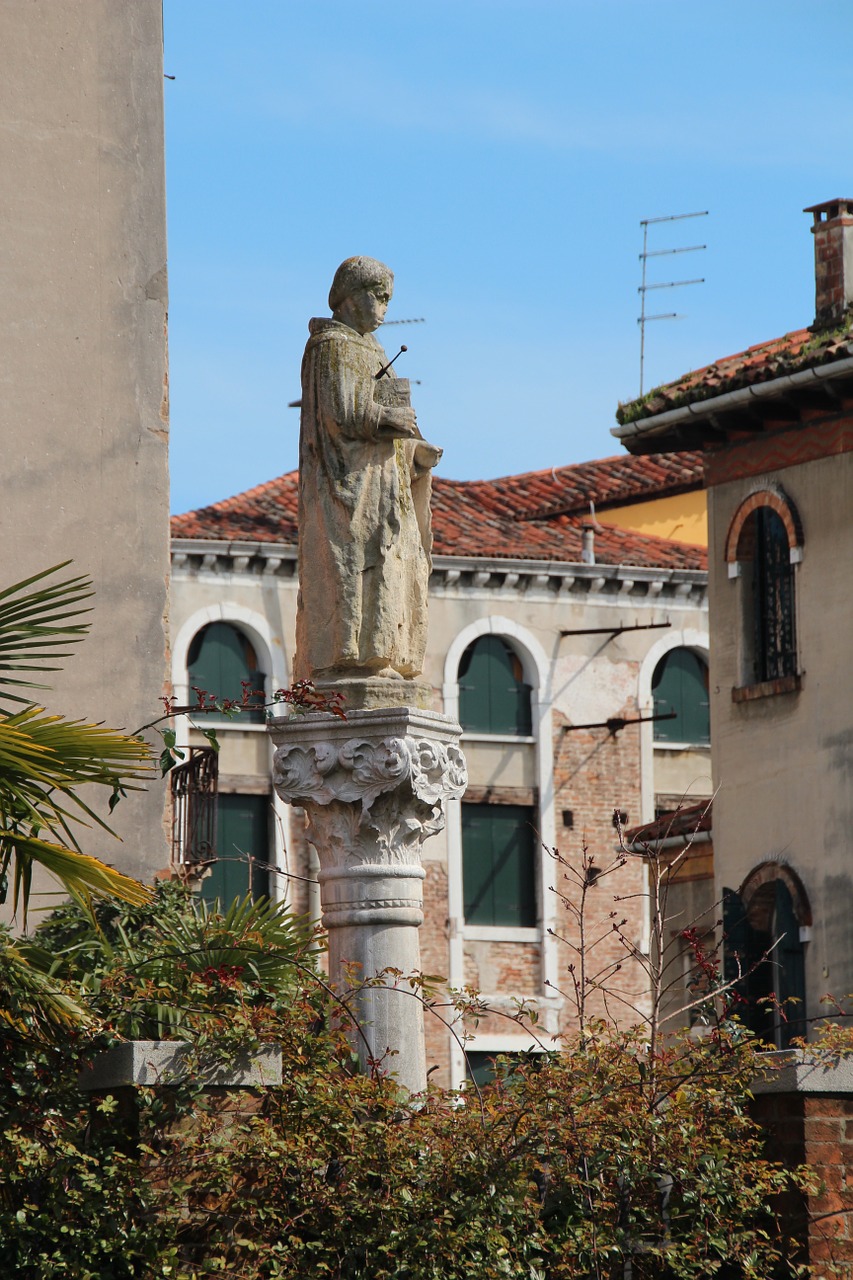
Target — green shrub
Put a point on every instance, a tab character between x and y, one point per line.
603	1158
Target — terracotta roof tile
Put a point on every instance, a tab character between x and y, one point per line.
800	349
686	821
535	516
606	482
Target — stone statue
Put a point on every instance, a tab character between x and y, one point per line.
374	785
364	493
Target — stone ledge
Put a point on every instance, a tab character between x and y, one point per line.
794	1071
398	721
767	688
164	1062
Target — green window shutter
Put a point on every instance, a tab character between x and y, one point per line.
769	980
480	1064
220	659
743	947
498	865
493	697
680	684
790	971
242	831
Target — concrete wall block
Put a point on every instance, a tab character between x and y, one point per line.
165	1062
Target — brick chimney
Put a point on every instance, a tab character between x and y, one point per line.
833	261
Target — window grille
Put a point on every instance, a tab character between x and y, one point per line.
194	787
775	648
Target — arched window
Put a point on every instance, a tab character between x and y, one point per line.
763	546
764	926
680	690
769	582
221	660
493	697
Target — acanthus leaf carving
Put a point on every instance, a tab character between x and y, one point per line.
367	797
361	770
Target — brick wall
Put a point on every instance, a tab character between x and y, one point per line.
815	1129
434	943
595	773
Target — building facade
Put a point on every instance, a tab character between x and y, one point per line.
553	638
83	363
775	424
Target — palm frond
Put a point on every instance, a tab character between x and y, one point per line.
36	626
31	998
44	759
81	874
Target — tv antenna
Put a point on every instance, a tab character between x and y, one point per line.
643	319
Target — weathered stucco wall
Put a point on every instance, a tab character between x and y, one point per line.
83	373
782	763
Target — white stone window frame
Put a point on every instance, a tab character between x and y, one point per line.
699	642
537	672
273	660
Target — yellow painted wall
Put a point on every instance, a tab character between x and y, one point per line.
683	517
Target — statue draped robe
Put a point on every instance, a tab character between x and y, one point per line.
364	521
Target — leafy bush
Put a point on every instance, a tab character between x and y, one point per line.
72	1199
157	971
574	1167
583	1162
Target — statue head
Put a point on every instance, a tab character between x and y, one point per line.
360	293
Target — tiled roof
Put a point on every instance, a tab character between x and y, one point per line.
266	513
496	519
607	482
686	821
801	349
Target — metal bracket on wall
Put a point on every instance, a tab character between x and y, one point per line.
616	631
617	723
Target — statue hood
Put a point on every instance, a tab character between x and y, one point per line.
322	323
324	328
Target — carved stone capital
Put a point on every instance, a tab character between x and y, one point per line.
373	786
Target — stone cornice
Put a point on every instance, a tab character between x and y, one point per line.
469	575
559	579
194	556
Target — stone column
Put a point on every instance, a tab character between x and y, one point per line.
373	787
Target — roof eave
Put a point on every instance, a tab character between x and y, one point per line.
666	429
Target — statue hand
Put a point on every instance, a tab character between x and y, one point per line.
426	455
399	422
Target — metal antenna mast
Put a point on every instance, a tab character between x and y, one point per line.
643	319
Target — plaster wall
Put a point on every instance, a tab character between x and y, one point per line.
83	372
683	774
782	764
683	516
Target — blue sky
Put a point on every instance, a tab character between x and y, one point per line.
498	155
